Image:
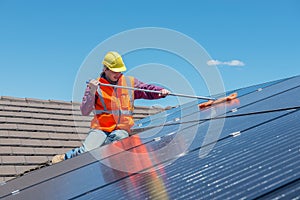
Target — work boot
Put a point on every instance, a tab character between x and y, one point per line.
58	158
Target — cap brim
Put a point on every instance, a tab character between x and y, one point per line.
122	69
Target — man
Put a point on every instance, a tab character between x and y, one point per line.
113	107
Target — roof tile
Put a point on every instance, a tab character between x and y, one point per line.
46	150
23	150
2	119
36	159
61	136
39	122
32	142
7	170
62	150
8	127
6	150
9	141
12	108
71	143
21	169
41	115
15	120
82	130
8	178
15	114
65	129
28	127
13	159
4	133
42	135
52	143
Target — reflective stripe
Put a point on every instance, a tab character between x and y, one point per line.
104	111
101	98
114	112
113	108
130	92
126	112
128	82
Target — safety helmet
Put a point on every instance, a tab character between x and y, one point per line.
114	62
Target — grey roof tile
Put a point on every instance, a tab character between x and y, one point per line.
63	136
65	129
41	115
16	120
12	108
4	133
10	142
28	127
2	119
71	143
8	178
61	150
82	118
9	127
53	122
13	159
44	151
41	135
36	159
22	150
78	136
5	150
81	130
15	114
32	142
52	143
7	170
21	169
82	123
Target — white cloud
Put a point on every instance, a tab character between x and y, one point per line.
235	63
214	62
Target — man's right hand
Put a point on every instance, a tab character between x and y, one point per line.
93	85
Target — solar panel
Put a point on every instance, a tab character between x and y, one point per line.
95	173
251	152
266	92
253	88
245	166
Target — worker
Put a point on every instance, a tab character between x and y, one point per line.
113	107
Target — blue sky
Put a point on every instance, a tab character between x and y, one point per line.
43	44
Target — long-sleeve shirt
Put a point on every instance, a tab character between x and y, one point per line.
88	100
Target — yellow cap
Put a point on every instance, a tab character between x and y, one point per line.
114	62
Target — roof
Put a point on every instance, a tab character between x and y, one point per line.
32	131
243	149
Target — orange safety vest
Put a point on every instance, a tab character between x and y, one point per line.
114	106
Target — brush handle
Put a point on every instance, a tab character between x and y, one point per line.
157	92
